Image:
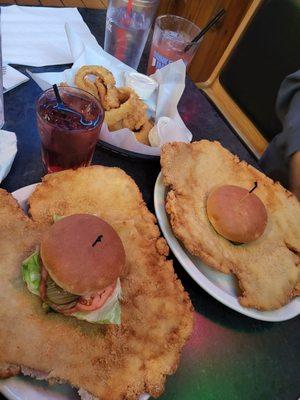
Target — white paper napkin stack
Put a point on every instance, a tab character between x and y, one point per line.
36	36
12	78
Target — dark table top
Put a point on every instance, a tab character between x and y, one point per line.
230	356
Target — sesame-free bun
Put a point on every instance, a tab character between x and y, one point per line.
236	214
72	261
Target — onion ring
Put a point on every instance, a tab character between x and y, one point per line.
131	114
103	87
142	134
123	107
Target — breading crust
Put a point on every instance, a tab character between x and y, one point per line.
267	268
109	362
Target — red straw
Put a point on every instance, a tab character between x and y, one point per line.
121	35
129	7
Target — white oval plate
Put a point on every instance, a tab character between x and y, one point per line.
25	388
219	285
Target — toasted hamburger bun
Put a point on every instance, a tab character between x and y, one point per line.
75	262
236	214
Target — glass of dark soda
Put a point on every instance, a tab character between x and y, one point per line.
68	138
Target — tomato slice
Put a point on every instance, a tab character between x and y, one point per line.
96	301
88	303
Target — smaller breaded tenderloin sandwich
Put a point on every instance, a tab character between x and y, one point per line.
77	268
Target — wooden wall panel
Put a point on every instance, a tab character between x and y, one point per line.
215	41
72	3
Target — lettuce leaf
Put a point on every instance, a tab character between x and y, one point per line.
31	270
110	313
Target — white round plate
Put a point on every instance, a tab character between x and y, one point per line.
221	286
25	388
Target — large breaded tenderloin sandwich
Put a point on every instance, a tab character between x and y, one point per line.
76	269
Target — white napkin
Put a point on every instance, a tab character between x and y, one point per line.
163	102
12	78
8	151
36	35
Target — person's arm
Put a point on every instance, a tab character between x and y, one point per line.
281	160
289	110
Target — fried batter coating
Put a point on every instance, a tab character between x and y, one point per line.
109	362
123	107
102	87
142	135
268	268
131	114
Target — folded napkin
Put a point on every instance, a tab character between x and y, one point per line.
163	103
8	151
36	36
12	78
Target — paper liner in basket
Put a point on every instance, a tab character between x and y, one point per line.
162	103
8	151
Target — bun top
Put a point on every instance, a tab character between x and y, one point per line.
82	253
236	214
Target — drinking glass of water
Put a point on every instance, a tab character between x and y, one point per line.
128	23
